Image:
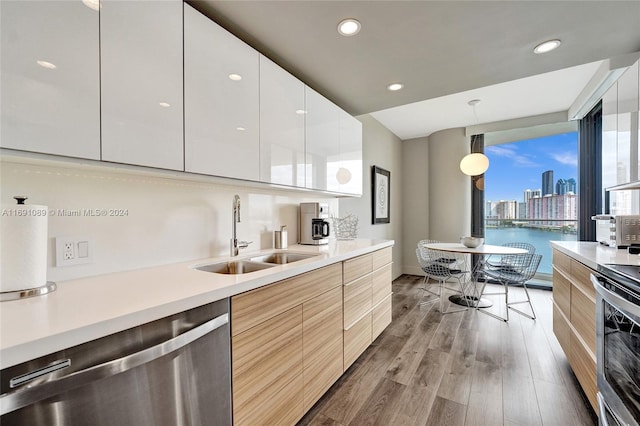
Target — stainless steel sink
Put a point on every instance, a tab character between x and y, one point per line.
234	267
282	258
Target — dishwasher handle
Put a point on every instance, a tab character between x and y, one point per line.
27	395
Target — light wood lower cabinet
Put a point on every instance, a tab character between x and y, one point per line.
286	346
574	320
293	339
357	338
367	301
265	359
322	348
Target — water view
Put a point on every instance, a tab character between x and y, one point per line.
539	238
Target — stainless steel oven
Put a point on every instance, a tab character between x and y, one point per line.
618	343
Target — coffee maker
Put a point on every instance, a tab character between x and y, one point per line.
313	226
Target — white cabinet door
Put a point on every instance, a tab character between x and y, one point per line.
322	142
141	64
349	171
50	97
282	116
221	91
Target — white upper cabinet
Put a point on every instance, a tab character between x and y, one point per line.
221	90
142	80
334	147
349	172
50	96
282	117
322	141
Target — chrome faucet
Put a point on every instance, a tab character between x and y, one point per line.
235	244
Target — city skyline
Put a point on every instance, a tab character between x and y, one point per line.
518	166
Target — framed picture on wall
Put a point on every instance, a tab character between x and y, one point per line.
381	195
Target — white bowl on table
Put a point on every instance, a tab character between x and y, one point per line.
472	242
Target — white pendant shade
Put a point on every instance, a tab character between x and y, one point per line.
474	164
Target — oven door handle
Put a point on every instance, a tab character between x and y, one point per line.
615	299
30	394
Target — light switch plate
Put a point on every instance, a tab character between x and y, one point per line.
73	251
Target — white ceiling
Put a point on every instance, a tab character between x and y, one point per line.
445	52
541	94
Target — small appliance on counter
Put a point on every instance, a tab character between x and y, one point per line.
619	231
313	226
280	238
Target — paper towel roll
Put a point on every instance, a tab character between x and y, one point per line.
23	236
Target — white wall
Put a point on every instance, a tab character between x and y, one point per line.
437	196
383	149
170	219
449	188
415	214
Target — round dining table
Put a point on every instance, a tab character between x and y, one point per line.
471	295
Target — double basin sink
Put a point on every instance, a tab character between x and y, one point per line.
253	264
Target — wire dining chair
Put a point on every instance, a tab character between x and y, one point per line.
506	261
441	267
521	269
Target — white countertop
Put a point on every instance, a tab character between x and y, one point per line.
593	254
89	308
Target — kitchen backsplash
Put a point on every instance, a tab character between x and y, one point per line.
138	220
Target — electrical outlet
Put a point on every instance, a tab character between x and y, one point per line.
73	251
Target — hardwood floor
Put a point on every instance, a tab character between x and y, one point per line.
461	368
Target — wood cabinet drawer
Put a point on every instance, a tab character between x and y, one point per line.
583	317
356	340
584	366
562	262
382	257
264	359
561	328
580	276
357	300
381	284
357	267
380	317
562	292
256	306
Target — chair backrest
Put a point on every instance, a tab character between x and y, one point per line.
520	270
532	267
526	246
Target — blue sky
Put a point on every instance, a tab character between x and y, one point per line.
516	166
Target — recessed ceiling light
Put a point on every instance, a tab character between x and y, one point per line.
349	27
547	46
164	104
47	65
395	86
301	112
240	129
235	77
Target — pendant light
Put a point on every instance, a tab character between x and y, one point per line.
476	163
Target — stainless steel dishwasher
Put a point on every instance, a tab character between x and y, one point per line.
173	371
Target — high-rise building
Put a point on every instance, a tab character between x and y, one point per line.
547	183
572	186
561	187
529	194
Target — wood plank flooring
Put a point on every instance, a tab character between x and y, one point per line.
462	368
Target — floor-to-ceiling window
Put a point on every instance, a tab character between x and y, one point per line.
531	192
